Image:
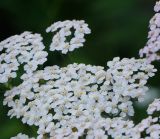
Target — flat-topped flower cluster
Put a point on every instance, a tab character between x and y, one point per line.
68	101
78	101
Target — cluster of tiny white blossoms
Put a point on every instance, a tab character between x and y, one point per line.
79	101
75	100
152	48
26	49
115	128
63	30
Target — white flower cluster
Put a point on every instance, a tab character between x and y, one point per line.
61	41
154	107
21	136
148	128
108	128
26	49
127	82
152	48
78	100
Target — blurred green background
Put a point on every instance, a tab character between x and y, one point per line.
119	28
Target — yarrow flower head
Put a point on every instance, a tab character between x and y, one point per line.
79	99
152	48
75	28
26	49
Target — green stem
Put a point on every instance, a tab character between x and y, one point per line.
8	85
